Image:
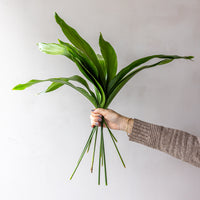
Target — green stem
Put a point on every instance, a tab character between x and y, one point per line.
90	143
100	154
83	152
102	151
104	157
110	131
111	135
95	140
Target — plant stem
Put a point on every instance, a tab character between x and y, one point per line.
111	135
100	153
83	152
95	140
90	143
110	131
104	157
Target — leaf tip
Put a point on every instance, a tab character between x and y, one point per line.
56	17
17	87
100	36
190	57
55	14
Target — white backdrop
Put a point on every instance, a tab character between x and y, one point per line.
41	136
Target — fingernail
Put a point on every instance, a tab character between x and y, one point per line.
99	119
99	115
96	123
93	110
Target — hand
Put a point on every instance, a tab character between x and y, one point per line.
113	119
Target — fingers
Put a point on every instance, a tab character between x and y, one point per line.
95	119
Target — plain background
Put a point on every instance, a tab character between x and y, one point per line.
41	136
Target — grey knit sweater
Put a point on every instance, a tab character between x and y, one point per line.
177	143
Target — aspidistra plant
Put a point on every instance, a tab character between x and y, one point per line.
101	71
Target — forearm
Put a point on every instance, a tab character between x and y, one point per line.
179	144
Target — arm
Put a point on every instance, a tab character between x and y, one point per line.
176	143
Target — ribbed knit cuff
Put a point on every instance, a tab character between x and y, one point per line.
144	133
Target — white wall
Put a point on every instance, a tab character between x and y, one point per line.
41	136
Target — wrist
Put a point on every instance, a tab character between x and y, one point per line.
127	124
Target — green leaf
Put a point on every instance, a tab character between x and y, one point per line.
128	77
76	39
99	91
28	84
109	56
98	95
82	81
80	43
81	56
70	52
98	88
102	63
53	48
61	81
136	63
54	86
83	64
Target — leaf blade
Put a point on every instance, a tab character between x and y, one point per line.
61	81
74	37
53	87
138	62
109	56
129	76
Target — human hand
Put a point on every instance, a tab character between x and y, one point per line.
113	119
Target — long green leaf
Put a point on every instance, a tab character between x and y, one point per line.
54	86
80	43
82	65
128	77
109	56
70	52
82	81
81	61
98	95
61	81
76	78
50	48
87	62
99	91
53	48
135	64
103	65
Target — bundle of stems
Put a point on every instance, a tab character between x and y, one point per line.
101	71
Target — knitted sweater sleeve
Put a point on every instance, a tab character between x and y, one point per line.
176	143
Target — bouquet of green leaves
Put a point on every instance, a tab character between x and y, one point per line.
101	71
